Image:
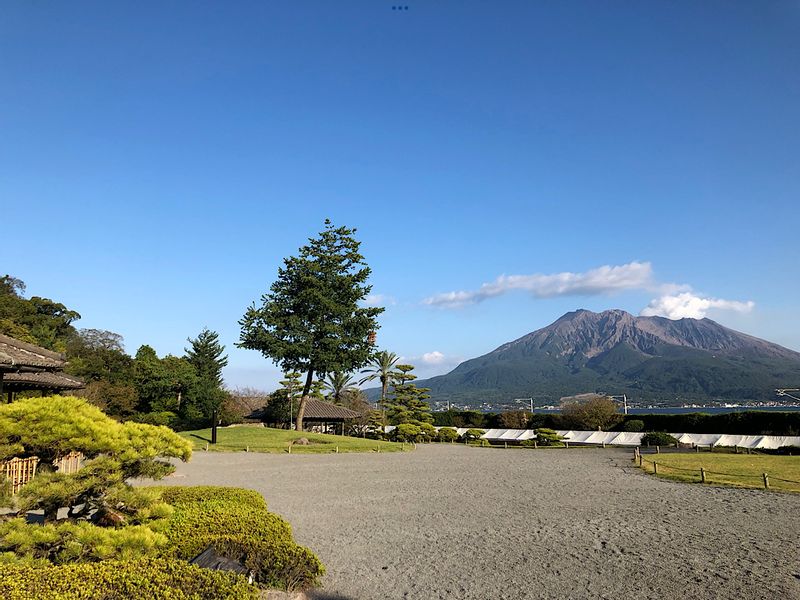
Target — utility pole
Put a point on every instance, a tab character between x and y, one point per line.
624	402
528	399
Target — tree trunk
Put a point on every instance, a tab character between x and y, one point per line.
298	424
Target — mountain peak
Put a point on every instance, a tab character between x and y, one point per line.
653	357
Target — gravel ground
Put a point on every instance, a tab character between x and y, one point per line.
453	522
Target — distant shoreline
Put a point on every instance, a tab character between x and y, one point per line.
657	410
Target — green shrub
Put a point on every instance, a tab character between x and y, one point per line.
447	434
406	432
634	425
481	443
472	434
548	437
237	523
76	542
154	579
658	438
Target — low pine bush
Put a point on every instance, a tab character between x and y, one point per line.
447	434
658	438
154	579
237	523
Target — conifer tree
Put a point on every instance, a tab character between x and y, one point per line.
207	355
406	404
311	320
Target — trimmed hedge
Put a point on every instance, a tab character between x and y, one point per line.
238	524
154	579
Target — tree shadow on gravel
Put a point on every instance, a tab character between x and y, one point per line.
323	595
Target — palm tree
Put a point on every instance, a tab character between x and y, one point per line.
338	383
380	367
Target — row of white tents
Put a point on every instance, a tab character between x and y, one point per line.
625	438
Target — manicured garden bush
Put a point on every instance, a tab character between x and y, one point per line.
472	434
75	542
447	434
237	523
658	438
154	579
406	432
548	437
634	425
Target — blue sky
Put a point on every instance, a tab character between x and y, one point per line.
159	159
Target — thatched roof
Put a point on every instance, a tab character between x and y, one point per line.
316	410
18	356
17	382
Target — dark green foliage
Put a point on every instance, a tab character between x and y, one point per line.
463	418
447	434
36	320
548	437
406	403
311	321
153	579
633	425
239	525
406	432
473	434
752	422
658	438
98	355
207	356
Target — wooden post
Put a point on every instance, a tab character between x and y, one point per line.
566	443
766	482
247	448
640	460
735	449
206	446
535	445
290	447
702	475
214	427
655	468
337	449
505	445
696	448
604	445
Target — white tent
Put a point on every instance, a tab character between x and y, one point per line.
741	441
627	438
770	442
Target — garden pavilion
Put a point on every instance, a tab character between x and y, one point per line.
25	366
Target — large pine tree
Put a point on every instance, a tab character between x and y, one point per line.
310	320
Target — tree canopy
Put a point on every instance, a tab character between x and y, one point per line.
311	320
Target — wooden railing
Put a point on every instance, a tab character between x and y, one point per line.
19	471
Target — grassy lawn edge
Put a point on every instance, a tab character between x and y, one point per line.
267	439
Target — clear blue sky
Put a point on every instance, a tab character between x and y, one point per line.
158	159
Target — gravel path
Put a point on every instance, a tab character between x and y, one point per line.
455	522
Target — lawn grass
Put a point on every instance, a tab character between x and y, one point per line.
741	470
265	439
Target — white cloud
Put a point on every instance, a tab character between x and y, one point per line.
689	304
602	280
379	300
433	358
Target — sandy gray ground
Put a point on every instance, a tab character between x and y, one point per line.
454	522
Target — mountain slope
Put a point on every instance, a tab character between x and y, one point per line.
649	358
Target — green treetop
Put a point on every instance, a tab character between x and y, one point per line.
406	403
311	320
